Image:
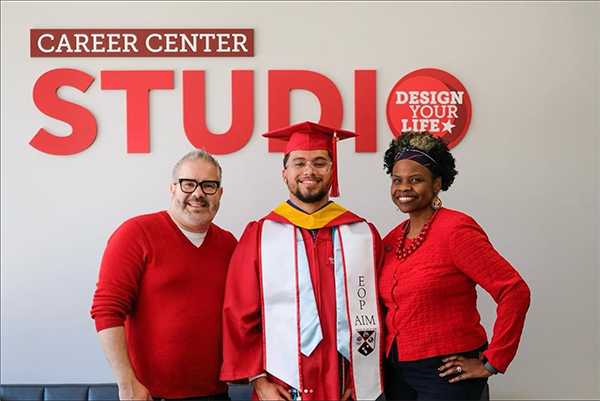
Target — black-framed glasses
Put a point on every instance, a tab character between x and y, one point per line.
188	186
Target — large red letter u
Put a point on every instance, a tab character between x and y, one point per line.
242	113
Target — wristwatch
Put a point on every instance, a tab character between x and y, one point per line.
489	367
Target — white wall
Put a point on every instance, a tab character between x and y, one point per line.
529	170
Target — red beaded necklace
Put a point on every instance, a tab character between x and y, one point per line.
402	253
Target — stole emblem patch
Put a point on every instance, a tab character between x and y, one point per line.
366	340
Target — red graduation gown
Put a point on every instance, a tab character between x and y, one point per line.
243	347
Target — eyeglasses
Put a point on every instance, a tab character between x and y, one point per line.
188	186
320	166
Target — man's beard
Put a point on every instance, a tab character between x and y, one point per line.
311	197
197	216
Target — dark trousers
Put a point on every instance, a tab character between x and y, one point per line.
420	380
223	396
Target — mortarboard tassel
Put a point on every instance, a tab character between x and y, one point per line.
335	189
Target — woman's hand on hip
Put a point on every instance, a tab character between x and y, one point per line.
465	368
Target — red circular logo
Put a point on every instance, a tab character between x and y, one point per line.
430	100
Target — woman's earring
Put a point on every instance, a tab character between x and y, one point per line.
436	203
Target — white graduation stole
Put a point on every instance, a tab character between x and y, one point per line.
284	266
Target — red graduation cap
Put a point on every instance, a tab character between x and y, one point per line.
311	136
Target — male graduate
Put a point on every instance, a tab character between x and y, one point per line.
301	318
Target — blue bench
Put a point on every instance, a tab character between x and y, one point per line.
91	392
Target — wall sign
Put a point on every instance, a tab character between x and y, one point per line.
142	42
424	100
430	100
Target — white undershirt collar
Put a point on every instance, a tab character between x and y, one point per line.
195	238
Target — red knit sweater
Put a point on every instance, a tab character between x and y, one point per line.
431	299
168	294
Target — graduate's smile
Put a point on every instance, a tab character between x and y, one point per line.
311	182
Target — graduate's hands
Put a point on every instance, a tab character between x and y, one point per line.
267	390
466	368
347	394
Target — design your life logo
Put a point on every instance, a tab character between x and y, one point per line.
430	100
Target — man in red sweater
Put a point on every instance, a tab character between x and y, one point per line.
159	297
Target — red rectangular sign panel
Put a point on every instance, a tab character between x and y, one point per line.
142	42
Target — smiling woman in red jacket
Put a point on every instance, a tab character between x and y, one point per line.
435	344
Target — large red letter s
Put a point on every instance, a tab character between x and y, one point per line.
79	118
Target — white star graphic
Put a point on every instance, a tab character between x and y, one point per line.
448	126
